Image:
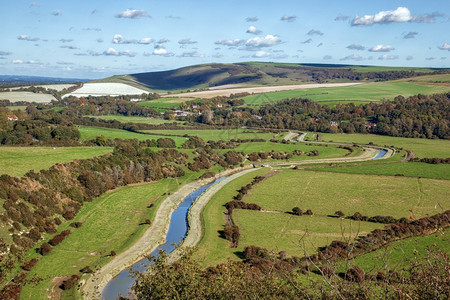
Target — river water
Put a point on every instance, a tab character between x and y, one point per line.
380	154
178	229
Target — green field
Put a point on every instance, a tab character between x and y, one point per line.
374	91
408	169
110	222
165	103
400	254
217	134
89	133
421	147
325	193
16	161
133	119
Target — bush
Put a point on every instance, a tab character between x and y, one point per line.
70	283
45	249
340	214
297	211
29	264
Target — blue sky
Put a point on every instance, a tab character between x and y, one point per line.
99	38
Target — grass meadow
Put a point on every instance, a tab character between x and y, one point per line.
421	147
408	169
135	119
16	161
17	96
374	91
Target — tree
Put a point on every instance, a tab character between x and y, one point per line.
297	211
340	214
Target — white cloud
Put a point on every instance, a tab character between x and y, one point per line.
341	17
161	51
307	41
71	47
356	57
163	40
91	29
253	30
17	61
356	47
119	39
3	53
445	47
66	40
191	54
146	41
186	42
133	14
399	15
56	13
260	54
388	57
114	52
99	40
288	18
231	43
381	48
259	42
24	37
314	32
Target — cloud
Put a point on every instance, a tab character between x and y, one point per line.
445	47
443	58
64	63
66	40
356	57
81	54
260	54
17	61
251	19
430	58
327	57
24	37
409	57
341	17
186	42
161	51
94	12
173	17
356	47
71	47
399	15
33	4
146	41
314	32
56	13
410	35
191	54
253	30
259	42
4	53
387	57
319	45
288	18
230	43
119	39
28	62
114	52
133	14
163	40
91	29
307	41
99	40
381	48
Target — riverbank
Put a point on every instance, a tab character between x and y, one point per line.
151	239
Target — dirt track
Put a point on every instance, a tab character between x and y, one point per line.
257	90
154	236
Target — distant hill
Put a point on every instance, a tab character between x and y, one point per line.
19	79
259	73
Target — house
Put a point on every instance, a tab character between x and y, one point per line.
317	120
13	118
182	113
135	100
370	125
219	105
194	106
333	124
258	117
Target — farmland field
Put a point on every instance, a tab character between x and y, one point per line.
134	119
58	87
421	147
105	89
374	91
408	169
16	161
217	134
26	96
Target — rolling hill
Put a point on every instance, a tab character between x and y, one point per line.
260	73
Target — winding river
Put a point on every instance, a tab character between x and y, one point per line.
178	229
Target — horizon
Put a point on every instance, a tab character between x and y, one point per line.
99	39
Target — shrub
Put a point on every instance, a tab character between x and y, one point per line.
340	214
297	211
45	249
70	283
29	264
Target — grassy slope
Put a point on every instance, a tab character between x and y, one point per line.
374	91
325	193
134	119
408	169
16	161
421	147
88	133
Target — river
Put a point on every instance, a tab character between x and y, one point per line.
178	229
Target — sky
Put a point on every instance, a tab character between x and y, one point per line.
99	38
